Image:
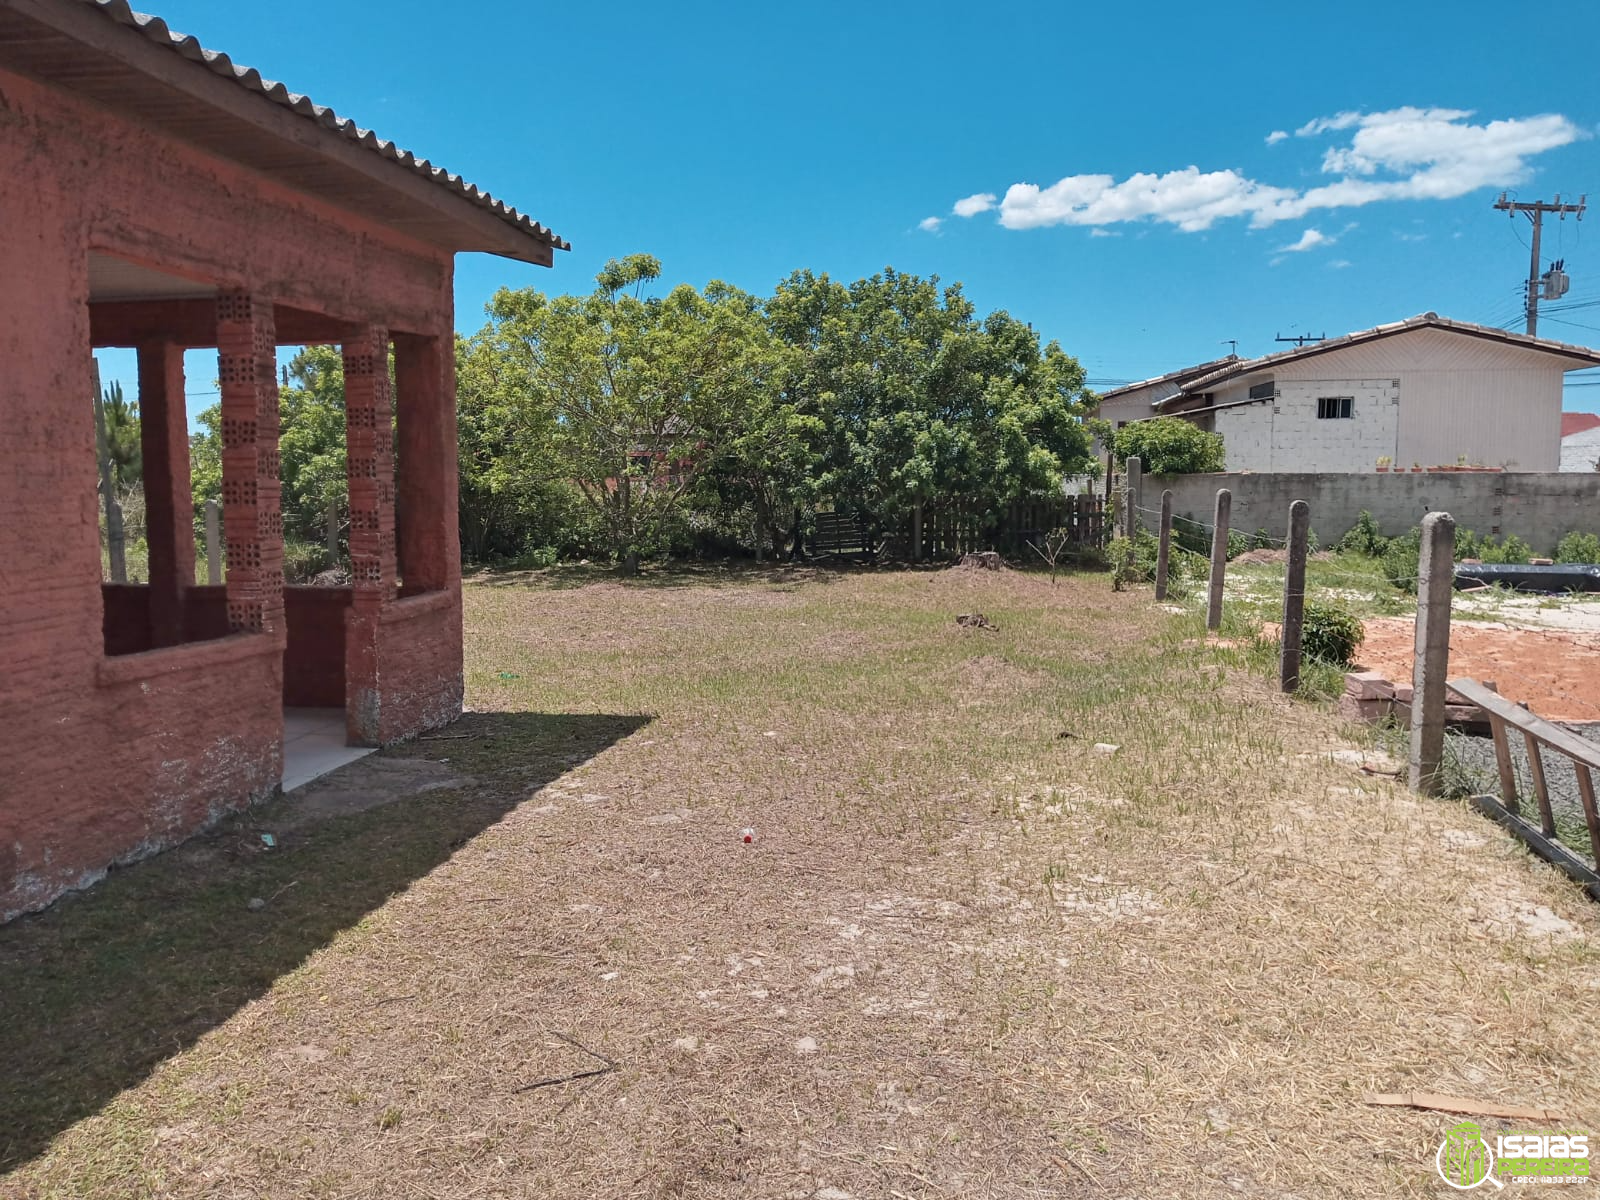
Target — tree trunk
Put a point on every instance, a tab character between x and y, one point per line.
108	488
630	563
763	524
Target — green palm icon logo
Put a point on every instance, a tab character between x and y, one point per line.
1464	1159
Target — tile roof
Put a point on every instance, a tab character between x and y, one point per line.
1572	423
1247	366
1173	377
250	79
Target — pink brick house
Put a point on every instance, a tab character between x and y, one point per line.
155	195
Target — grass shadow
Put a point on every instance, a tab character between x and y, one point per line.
103	986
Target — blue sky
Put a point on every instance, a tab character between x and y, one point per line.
742	141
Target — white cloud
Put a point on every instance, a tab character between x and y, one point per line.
930	224
1276	136
1338	264
1190	199
1097	231
1402	154
971	206
1309	240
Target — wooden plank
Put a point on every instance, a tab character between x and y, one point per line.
1574	747
1463	1104
1586	793
1502	758
1541	790
1548	849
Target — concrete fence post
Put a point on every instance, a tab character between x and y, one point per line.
213	543
333	533
1135	479
1435	583
1164	545
916	532
1219	557
1294	596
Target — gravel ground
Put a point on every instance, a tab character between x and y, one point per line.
1474	756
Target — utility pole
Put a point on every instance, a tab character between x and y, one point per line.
1535	212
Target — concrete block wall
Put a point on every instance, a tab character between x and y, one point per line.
1539	507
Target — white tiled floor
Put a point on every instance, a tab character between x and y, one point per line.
313	745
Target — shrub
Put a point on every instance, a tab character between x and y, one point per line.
1133	560
1578	548
536	558
1332	634
1170	446
1468	544
303	561
1400	559
1512	550
1364	538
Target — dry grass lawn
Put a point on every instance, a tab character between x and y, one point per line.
966	954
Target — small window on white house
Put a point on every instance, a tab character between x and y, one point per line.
1264	391
1335	408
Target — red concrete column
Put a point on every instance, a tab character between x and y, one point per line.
425	426
369	459
251	487
169	509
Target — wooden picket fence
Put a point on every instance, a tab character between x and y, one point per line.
950	529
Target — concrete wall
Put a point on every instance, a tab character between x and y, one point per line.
1580	451
1537	507
110	757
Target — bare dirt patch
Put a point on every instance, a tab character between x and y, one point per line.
1556	674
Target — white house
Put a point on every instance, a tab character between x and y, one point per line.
1136	401
1580	441
1425	391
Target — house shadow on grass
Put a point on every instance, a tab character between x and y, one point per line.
98	990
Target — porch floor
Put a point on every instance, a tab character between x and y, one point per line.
313	745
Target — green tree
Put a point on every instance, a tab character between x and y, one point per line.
916	399
121	467
638	396
311	445
1170	446
311	441
515	498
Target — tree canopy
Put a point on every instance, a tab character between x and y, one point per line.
914	398
626	423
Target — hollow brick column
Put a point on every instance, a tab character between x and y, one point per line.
247	376
369	457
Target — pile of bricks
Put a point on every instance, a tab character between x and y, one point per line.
1369	697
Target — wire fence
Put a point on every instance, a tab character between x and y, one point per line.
1262	540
